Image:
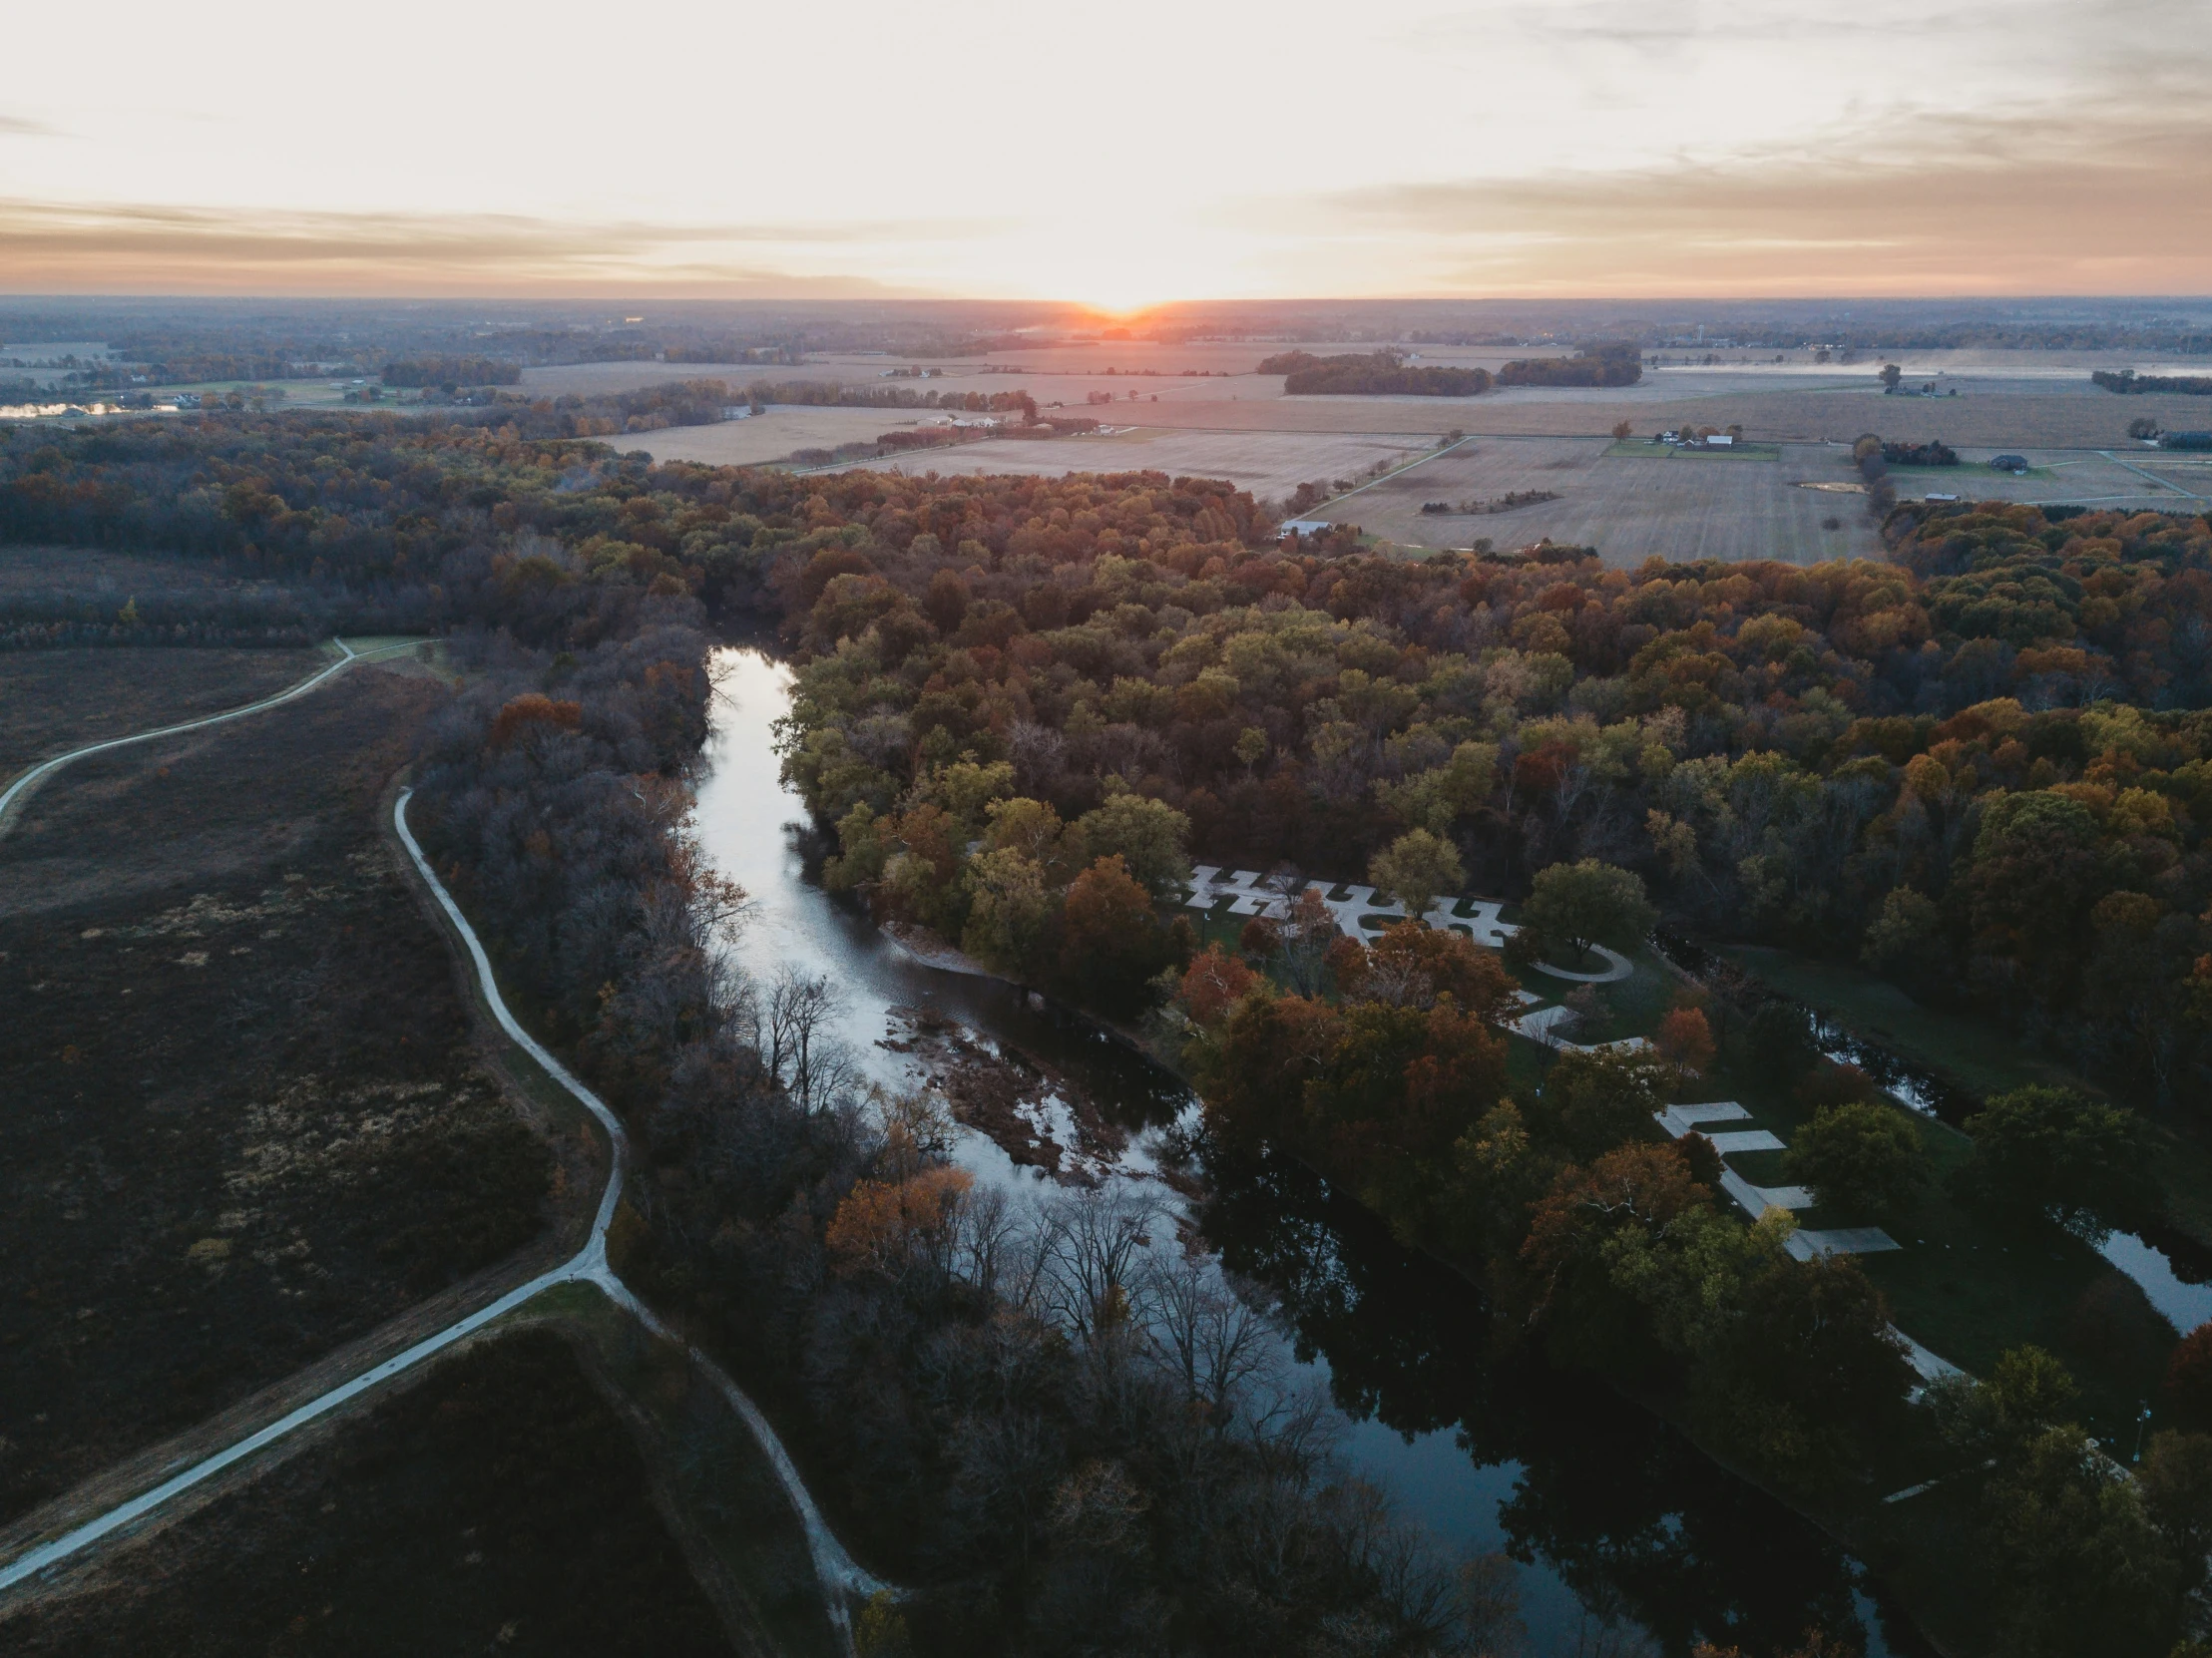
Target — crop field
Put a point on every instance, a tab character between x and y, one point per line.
61	699
1269	464
1797	416
245	1119
498	1506
767	437
1629	508
2006	399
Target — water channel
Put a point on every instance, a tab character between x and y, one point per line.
1627	1540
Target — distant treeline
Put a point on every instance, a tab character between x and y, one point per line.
2128	380
830	394
452	371
1937	453
1375	374
1610	363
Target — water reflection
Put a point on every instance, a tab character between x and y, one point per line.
1637	1525
1916	1085
1621	1527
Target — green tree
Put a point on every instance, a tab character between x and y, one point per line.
2027	1391
1811	1370
2052	1152
1862	1158
2176	1486
1010	911
1595	1101
1146	835
2079	1565
1907	937
1417	869
1577	905
1891	375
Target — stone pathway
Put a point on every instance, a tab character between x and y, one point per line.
1755	1202
1246	892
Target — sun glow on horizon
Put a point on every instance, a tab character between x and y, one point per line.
1491	148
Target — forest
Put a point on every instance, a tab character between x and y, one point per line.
1372	374
1980	765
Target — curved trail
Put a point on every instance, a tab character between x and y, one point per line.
17	789
841	1576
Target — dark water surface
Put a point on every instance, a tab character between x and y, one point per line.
1630	1540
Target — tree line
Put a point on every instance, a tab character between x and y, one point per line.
1371	374
452	371
1606	363
2128	381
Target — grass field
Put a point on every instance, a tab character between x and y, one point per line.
767	437
245	1118
2007	399
1651	449
498	1506
1983	1059
57	700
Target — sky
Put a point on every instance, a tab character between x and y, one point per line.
1116	155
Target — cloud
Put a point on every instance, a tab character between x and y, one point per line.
1953	205
16	126
116	248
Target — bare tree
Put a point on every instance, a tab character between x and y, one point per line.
1094	1243
793	1029
1212	1342
1306	934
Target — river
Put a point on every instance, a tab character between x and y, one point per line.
1627	1539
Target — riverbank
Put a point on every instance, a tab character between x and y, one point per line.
1620	1522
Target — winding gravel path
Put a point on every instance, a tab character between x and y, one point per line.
18	789
843	1579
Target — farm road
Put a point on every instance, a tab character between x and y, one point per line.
843	1579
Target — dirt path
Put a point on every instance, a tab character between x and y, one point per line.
843	1579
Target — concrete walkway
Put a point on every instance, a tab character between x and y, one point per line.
1246	892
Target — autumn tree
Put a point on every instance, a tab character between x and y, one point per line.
1415	870
1685	1041
1112	942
